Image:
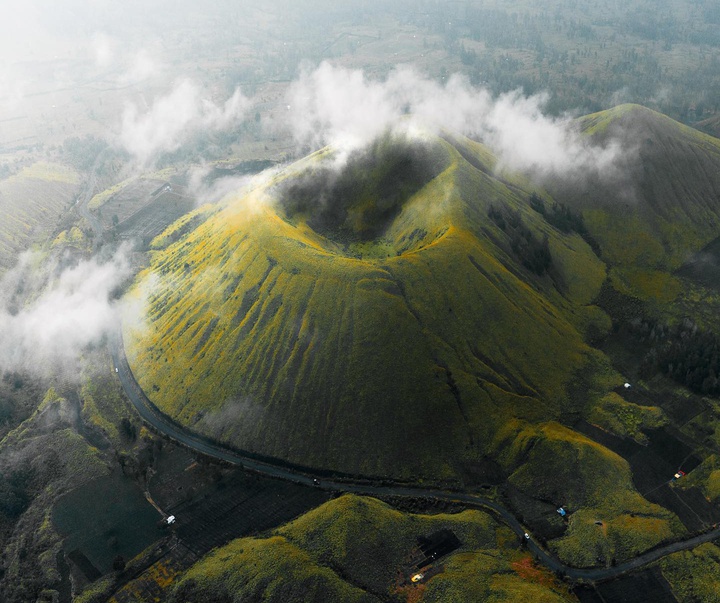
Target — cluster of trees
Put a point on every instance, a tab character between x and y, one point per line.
684	352
559	215
564	219
532	253
14	492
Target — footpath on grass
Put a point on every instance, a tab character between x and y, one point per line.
166	426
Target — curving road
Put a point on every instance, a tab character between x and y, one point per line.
162	423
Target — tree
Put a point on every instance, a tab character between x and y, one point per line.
119	563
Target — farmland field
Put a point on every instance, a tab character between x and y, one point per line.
31	203
640	587
105	518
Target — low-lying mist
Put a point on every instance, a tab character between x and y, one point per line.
50	314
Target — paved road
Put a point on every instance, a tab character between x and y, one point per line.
164	425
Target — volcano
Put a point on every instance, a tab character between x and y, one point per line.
404	309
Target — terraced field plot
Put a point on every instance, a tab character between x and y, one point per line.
105	518
152	584
153	218
241	505
31	203
640	587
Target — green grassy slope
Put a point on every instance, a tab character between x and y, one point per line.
316	349
667	205
357	549
325	317
552	463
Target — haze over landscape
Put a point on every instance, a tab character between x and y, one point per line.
375	302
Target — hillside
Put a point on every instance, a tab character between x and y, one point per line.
337	341
666	206
278	342
359	549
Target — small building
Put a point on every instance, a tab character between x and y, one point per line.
170	519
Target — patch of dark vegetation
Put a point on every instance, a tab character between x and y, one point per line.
187	228
532	253
680	408
251	296
84	564
244	168
153	218
271	309
15	492
359	201
564	219
455	391
104	518
472	159
128	430
652	464
684	352
657	462
483	472
500	378
690	505
620	307
625	447
19	393
434	547
666	442
206	335
587	594
558	215
423	506
408	241
232	287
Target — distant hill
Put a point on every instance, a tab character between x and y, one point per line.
667	205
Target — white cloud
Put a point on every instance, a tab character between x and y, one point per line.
206	189
104	50
347	109
12	91
69	311
141	66
174	118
